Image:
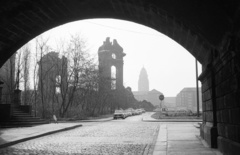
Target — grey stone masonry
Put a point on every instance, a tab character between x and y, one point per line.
225	98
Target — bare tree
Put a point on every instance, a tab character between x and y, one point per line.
21	69
75	73
35	78
26	67
42	48
69	84
78	61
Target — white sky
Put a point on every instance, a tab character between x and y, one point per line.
169	66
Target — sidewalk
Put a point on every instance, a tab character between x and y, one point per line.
179	136
11	136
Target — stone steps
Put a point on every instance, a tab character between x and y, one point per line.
20	118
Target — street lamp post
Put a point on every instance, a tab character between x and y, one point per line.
197	89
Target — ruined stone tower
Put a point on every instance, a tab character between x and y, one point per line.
110	57
52	70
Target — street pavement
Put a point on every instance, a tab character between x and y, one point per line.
134	135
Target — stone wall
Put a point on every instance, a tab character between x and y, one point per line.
228	100
208	128
5	112
221	100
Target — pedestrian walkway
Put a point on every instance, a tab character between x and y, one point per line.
11	136
181	138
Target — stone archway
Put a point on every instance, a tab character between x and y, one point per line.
209	30
185	22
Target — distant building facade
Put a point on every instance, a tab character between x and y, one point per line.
143	82
150	96
170	102
110	56
153	97
187	99
52	70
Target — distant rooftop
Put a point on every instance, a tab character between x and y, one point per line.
153	91
110	46
189	89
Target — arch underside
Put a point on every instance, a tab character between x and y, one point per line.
185	22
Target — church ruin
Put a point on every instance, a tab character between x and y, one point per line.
110	56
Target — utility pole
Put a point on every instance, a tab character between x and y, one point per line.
197	88
161	98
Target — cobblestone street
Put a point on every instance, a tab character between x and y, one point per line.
129	136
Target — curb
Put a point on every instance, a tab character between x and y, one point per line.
169	120
150	150
37	136
96	120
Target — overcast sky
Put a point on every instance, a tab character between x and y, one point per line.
169	66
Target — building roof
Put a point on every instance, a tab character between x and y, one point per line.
189	89
111	46
140	92
143	71
154	91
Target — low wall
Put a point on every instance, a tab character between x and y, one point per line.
5	112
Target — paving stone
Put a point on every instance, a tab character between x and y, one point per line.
160	153
114	137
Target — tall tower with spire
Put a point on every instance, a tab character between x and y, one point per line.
143	83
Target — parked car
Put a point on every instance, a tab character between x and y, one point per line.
128	112
143	110
119	114
139	111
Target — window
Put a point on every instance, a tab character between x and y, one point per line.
113	72
113	77
114	56
113	84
